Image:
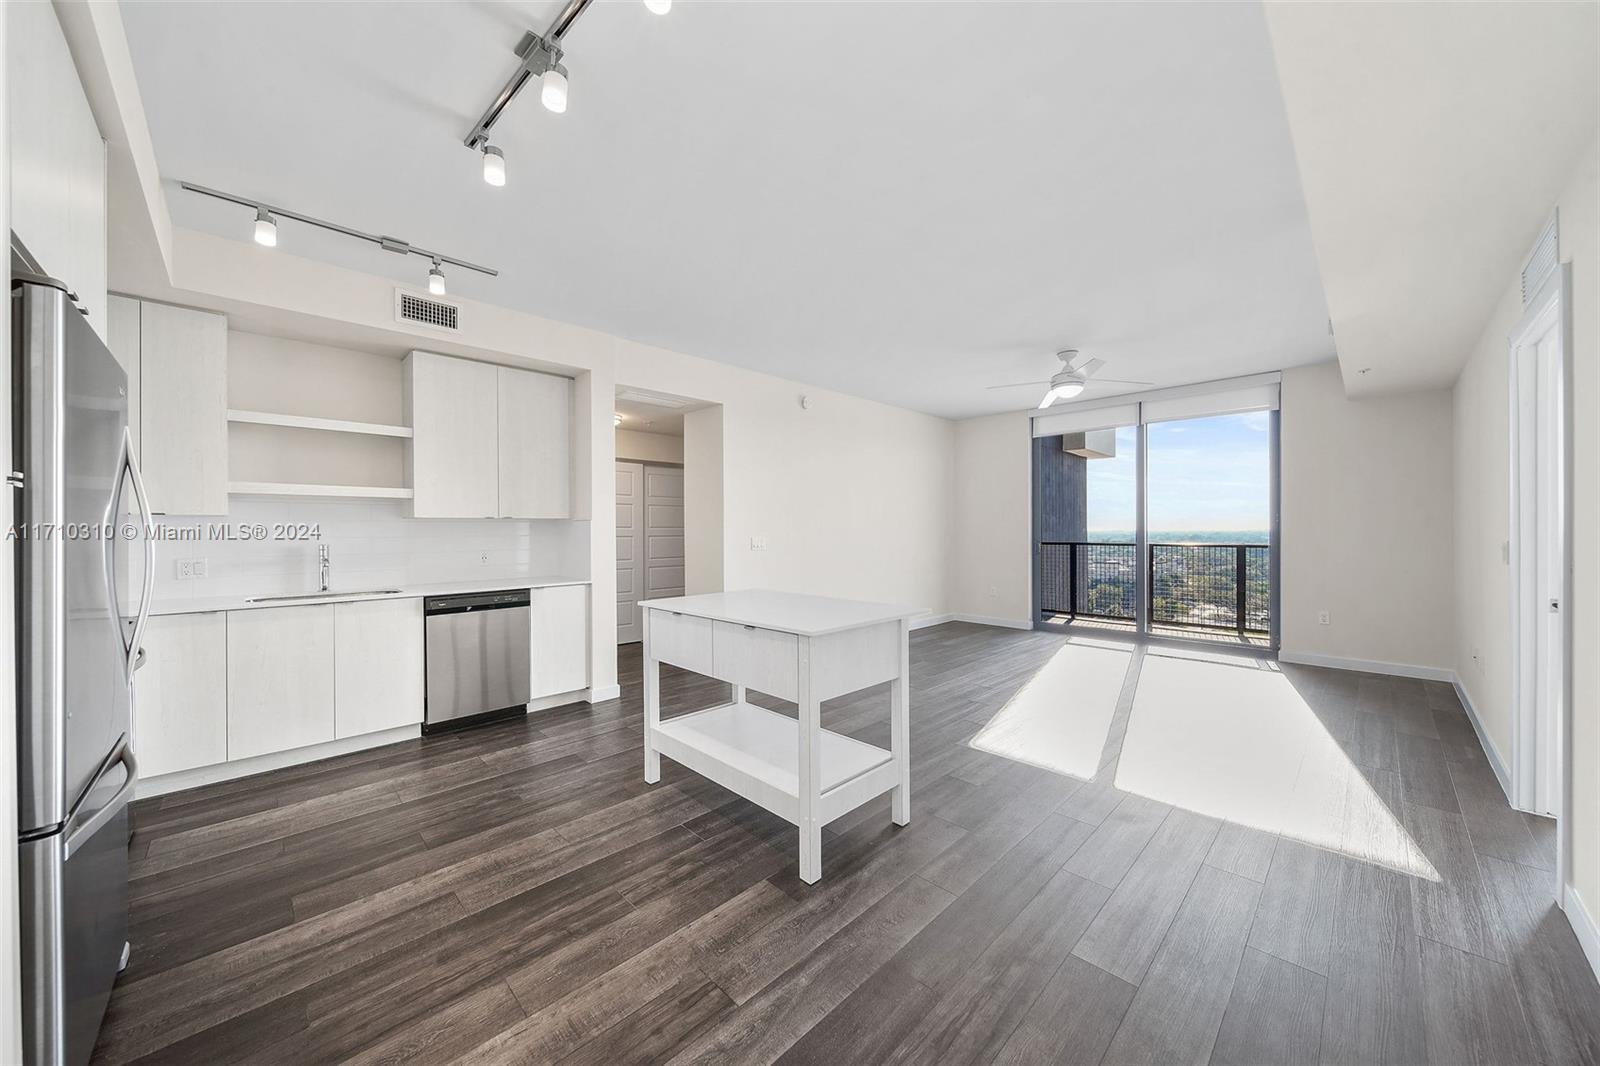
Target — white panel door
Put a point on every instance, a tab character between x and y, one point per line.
183	409
663	533
559	624
630	551
180	701
452	458
377	666
280	679
535	445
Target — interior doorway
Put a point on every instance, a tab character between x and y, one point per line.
1539	554
654	502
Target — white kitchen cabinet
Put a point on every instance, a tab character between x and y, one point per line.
560	635
58	162
181	694
377	665
280	679
122	337
535	441
452	457
183	409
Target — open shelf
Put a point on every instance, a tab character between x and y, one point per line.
329	425
765	746
278	488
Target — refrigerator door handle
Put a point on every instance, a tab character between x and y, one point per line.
112	527
135	643
77	833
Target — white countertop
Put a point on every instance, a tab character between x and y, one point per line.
203	604
787	612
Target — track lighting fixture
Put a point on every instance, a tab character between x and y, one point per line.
553	90
658	7
266	233
494	165
266	228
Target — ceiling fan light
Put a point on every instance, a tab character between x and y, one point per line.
1062	387
553	90
658	7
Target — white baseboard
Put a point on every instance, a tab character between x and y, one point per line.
931	620
228	771
1497	762
600	695
1583	924
1367	666
985	620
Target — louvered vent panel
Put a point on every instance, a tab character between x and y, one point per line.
1541	262
436	314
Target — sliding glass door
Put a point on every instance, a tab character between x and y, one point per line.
1157	516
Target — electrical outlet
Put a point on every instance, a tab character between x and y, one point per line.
758	544
483	559
994	591
1322	618
189	569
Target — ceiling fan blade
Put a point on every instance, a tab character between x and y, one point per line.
1120	381
1019	385
1087	369
1076	362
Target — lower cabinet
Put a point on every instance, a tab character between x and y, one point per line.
560	633
280	679
180	695
377	666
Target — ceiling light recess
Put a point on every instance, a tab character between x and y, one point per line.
266	233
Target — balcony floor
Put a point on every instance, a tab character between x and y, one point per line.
1066	623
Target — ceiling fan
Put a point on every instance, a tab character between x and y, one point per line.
1071	379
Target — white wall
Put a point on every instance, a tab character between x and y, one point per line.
1482	519
991	567
702	500
1367	523
1482	400
642	447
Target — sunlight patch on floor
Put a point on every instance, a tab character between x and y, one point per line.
1060	718
1239	743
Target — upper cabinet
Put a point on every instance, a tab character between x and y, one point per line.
58	161
183	409
452	456
535	445
487	441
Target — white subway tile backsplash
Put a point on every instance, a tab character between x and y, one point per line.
371	544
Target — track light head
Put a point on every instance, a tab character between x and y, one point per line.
494	165
658	7
266	228
436	279
553	89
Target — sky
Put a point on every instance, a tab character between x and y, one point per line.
1206	474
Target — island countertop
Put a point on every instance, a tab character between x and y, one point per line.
786	612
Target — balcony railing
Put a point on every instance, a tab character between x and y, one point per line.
1205	586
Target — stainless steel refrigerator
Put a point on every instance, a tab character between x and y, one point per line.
77	647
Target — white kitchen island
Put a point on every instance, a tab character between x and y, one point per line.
804	649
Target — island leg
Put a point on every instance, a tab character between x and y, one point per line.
652	708
900	730
810	770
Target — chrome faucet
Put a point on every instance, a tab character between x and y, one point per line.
323	565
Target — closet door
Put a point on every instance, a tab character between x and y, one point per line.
630	551
663	532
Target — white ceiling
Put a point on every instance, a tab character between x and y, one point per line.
908	202
1434	140
639	413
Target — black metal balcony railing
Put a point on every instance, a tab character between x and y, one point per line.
1208	586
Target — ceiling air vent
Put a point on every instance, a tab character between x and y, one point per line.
1541	262
426	311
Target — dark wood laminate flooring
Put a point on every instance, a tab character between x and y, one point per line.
518	894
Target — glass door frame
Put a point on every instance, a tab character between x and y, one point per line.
1143	578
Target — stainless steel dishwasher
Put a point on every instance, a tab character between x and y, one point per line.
477	658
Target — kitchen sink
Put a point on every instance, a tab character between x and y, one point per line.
343	594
